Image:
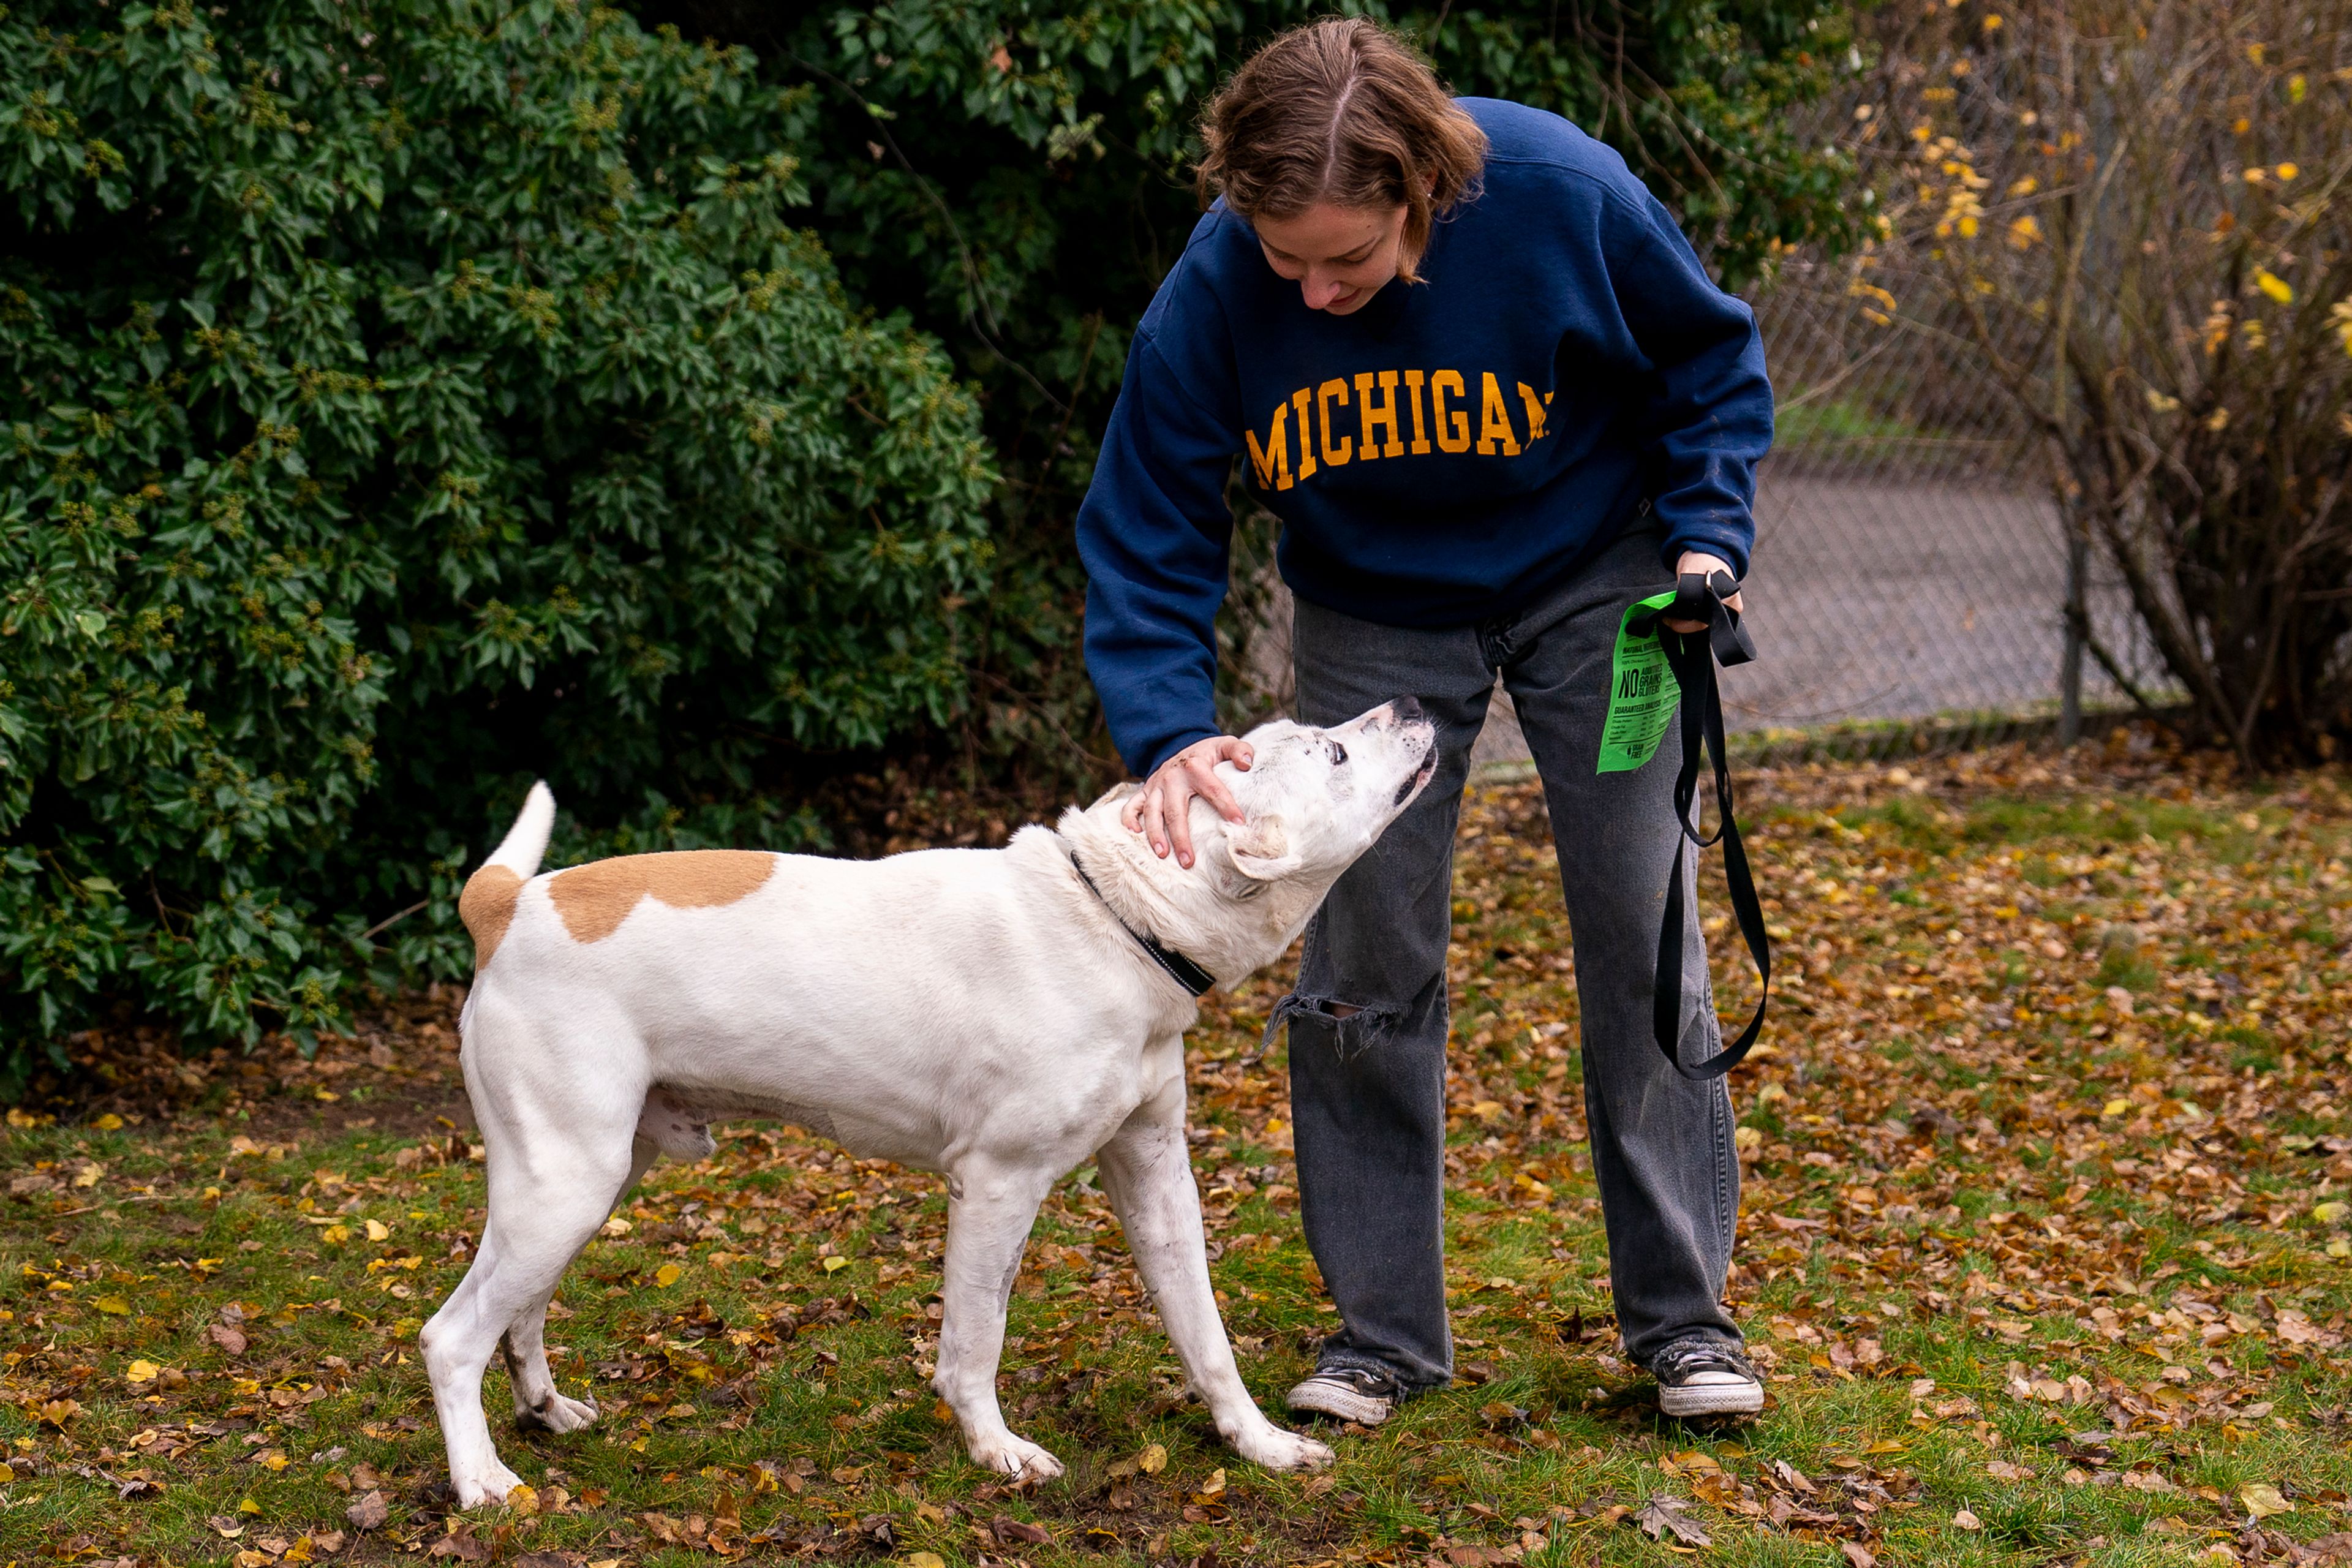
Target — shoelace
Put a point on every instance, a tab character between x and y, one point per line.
1686	1357
1363	1380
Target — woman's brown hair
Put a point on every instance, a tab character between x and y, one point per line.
1341	110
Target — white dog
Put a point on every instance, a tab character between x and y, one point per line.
1001	1017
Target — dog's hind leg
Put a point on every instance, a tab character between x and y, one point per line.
1148	1176
536	1401
541	1214
991	1207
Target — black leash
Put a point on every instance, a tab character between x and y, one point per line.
1693	657
1181	969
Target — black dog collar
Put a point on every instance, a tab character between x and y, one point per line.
1181	969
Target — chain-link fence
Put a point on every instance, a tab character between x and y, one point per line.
1911	575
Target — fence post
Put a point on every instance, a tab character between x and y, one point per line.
2078	621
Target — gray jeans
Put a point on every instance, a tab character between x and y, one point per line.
1368	1090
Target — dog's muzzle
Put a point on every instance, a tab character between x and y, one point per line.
1428	769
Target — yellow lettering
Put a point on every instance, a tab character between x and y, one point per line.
1453	424
1376	417
1333	456
1272	466
1413	398
1306	447
1494	421
1535	405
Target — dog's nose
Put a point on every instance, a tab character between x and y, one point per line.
1406	710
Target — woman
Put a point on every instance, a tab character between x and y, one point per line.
1494	398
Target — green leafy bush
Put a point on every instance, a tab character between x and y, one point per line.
400	400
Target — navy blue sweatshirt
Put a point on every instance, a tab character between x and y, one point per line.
1447	453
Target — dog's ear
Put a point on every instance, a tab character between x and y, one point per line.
1261	849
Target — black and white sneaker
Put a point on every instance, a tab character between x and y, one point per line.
1703	1377
1348	1394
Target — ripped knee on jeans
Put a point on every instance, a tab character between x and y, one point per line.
1354	1024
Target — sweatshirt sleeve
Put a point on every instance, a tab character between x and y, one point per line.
1710	422
1154	533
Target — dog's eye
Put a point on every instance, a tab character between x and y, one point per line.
1338	753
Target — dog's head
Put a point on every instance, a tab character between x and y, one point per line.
1314	799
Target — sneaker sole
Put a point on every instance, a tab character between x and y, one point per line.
1364	1410
1718	1399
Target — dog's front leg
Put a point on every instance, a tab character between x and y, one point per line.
1148	1175
991	1207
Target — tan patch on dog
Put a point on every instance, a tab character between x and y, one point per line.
487	906
594	900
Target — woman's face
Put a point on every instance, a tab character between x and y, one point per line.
1338	257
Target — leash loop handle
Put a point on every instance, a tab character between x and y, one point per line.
1693	655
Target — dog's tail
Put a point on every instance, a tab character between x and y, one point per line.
487	904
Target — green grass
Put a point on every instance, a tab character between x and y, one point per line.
2021	1198
1839	420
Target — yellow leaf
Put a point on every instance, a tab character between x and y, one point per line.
116	1307
1152	1460
2115	1108
140	1371
89	1175
249	1506
1967	228
2271	284
109	1123
335	1235
2325	1214
668	1274
2262	1500
924	1559
377	1230
523	1500
2287	171
833	1263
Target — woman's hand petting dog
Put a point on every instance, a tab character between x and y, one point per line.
1162	809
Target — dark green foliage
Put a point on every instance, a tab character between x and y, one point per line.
402	399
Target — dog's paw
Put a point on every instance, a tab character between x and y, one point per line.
557	1414
1018	1457
484	1486
1276	1449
